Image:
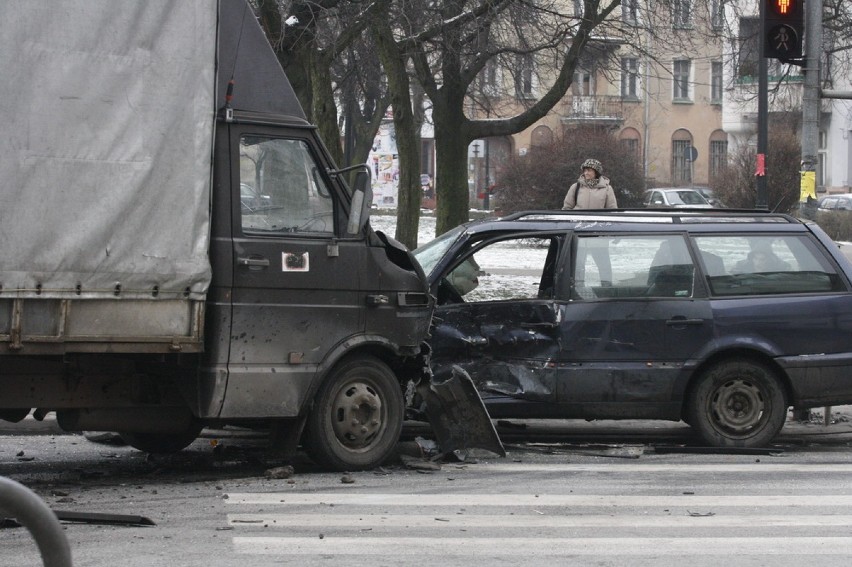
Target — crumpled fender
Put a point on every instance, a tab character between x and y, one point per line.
457	414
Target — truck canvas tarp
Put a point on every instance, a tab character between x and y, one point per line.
97	103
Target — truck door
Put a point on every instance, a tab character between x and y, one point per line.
296	281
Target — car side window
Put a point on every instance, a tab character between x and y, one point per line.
628	266
765	264
281	189
492	273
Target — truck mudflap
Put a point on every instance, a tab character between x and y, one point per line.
457	414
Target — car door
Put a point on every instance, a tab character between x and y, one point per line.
637	319
497	319
290	303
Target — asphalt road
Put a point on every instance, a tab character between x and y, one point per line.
567	493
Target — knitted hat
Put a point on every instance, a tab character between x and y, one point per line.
592	164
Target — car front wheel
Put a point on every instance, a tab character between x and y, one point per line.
737	403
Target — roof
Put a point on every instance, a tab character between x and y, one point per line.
644	220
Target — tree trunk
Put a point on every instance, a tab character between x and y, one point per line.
325	109
394	62
450	175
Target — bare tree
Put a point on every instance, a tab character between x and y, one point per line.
540	179
329	60
735	185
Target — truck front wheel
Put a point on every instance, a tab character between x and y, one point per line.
357	416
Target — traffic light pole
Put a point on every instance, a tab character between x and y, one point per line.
811	106
762	117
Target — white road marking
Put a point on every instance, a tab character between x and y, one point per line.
542	547
452	520
539	500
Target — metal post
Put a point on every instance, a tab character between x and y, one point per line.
810	120
486	204
810	106
762	116
24	505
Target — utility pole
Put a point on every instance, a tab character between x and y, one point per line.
811	106
762	114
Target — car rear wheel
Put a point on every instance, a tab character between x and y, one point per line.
737	403
357	416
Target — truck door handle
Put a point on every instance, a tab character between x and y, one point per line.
254	262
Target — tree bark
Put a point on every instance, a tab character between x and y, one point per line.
405	127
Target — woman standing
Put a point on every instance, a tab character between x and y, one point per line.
592	190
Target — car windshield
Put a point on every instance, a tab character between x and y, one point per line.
429	254
687	197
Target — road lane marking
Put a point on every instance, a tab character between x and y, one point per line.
611	468
543	547
539	500
452	520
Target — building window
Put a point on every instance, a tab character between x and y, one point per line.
489	78
680	79
583	84
748	55
717	14
524	78
629	140
718	153
682	158
630	11
682	13
716	82
630	78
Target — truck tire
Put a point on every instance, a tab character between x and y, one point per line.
357	416
737	403
162	442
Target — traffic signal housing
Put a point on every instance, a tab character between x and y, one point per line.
784	29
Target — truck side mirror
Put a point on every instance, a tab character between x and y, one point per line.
362	200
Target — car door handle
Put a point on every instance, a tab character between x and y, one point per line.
683	321
254	262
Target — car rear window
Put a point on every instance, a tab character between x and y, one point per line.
765	264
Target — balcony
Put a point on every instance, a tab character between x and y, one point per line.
595	110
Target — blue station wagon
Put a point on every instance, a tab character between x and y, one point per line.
720	318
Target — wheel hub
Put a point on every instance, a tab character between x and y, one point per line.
738	405
357	415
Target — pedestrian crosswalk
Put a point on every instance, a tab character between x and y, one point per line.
472	525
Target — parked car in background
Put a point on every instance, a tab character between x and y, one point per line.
711	197
841	202
721	319
675	197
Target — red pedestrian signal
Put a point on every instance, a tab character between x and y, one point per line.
784	29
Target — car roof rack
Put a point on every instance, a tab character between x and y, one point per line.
682	215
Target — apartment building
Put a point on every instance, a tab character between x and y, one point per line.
676	81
